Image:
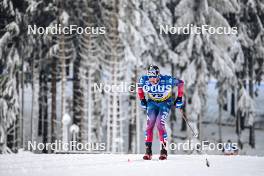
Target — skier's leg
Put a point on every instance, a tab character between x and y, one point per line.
161	120
151	120
152	113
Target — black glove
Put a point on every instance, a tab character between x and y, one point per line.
178	103
144	103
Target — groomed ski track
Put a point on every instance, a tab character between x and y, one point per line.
128	165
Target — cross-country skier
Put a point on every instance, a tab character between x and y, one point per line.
158	89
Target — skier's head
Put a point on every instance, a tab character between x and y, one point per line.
153	74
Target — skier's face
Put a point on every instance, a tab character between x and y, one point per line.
153	80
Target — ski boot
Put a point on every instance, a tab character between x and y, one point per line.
148	154
163	152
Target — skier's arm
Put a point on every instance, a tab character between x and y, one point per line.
140	90
180	88
180	84
141	94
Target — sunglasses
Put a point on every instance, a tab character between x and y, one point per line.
152	76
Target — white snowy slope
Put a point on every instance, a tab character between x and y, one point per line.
128	165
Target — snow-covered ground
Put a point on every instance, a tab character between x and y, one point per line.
128	165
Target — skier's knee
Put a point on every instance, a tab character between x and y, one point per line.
150	128
161	126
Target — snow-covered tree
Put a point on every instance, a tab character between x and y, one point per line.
9	95
202	55
251	36
89	74
113	66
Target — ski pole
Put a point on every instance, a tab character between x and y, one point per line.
194	134
188	123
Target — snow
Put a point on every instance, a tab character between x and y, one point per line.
245	103
13	27
74	129
138	26
66	118
225	6
3	42
33	5
129	165
64	18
